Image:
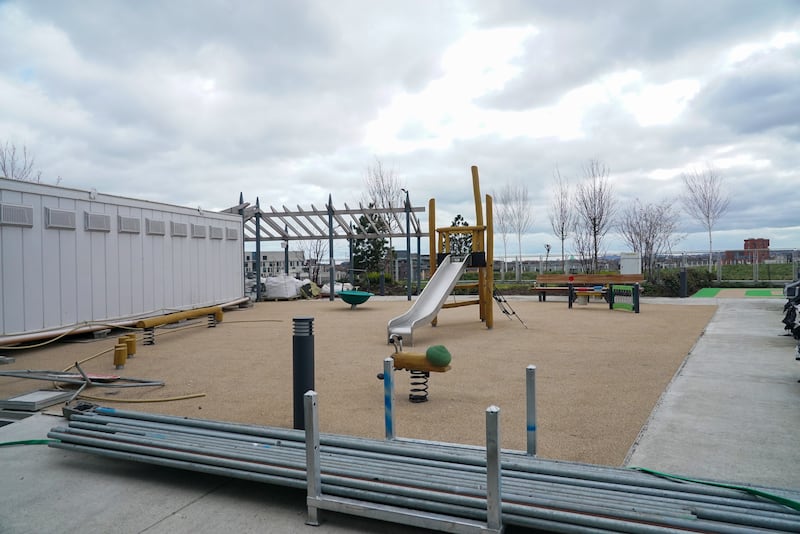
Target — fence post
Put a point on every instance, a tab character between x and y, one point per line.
313	469
494	518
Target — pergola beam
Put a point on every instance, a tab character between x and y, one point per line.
305	225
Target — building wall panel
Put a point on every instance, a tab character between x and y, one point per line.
13	278
33	279
56	277
68	280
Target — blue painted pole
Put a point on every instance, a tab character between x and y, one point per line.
388	396
530	413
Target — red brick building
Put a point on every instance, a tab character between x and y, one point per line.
755	250
759	246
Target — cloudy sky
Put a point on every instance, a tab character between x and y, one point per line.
191	102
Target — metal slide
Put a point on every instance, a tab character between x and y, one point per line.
430	301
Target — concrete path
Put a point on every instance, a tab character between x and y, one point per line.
46	490
733	410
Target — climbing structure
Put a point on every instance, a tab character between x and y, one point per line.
481	256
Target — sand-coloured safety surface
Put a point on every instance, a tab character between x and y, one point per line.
599	373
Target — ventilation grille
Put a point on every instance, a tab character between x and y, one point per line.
153	227
129	225
59	219
97	222
198	231
178	229
216	232
13	215
231	233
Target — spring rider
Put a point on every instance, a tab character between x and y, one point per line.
436	359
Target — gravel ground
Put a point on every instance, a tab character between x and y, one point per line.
599	372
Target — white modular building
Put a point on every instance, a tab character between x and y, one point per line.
70	257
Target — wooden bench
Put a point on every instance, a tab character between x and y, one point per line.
558	284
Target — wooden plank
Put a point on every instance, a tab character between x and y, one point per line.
588	279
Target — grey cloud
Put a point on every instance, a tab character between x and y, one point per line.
762	94
310	77
299	81
578	42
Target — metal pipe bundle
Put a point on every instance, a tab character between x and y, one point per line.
429	477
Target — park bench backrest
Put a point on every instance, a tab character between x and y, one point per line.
588	279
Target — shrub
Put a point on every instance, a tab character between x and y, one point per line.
374	279
668	284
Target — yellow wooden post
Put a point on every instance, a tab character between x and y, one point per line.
476	191
489	262
482	241
478	247
432	237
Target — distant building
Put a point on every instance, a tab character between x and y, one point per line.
759	248
756	250
419	264
273	263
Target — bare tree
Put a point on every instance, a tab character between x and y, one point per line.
501	220
383	190
650	230
704	200
595	206
18	166
315	251
561	213
520	217
582	241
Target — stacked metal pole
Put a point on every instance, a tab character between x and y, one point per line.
430	478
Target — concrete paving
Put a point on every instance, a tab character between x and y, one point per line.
731	413
52	490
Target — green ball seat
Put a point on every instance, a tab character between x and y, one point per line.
438	355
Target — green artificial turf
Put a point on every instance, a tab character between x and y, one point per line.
707	292
759	293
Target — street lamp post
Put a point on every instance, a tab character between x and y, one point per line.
408	243
258	251
286	251
350	246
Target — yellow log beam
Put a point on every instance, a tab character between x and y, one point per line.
151	322
411	361
460	303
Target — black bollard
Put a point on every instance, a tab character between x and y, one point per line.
302	366
683	290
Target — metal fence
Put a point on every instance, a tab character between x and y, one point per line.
743	265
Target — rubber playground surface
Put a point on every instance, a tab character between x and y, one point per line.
599	372
716	292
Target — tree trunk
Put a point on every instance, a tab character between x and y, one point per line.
710	251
